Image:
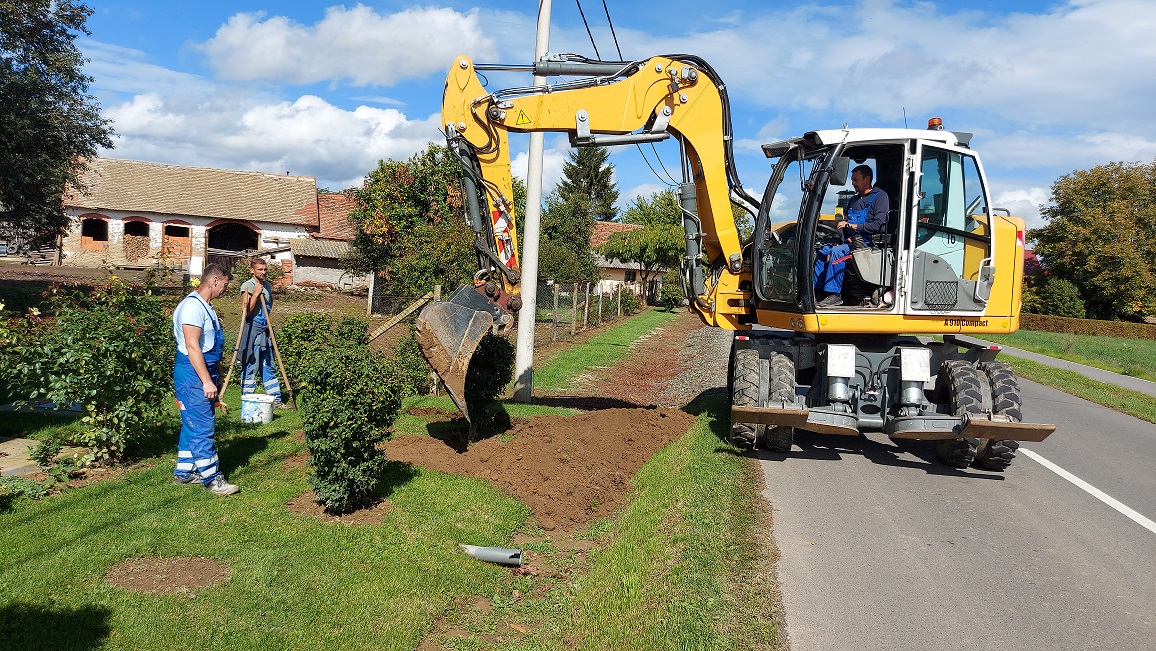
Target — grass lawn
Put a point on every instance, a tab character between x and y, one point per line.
673	571
605	349
1133	403
1135	357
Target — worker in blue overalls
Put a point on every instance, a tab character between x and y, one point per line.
865	216
256	348
200	341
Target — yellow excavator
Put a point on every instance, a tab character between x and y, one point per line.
865	356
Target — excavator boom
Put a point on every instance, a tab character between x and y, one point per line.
620	103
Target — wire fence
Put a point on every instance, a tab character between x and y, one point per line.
563	310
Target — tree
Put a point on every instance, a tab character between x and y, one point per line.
565	244
1099	237
49	124
659	244
1060	297
410	225
588	176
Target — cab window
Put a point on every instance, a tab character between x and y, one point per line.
952	211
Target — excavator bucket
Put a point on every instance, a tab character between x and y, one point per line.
449	332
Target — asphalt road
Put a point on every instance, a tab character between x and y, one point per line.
883	548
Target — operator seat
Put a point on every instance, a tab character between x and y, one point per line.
875	265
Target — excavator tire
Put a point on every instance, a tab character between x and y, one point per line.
745	393
959	384
1005	400
781	386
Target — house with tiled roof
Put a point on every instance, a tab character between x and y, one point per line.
614	273
136	213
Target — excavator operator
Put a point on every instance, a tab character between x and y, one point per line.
866	216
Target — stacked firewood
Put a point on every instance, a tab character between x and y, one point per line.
136	247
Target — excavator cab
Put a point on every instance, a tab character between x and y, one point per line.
935	256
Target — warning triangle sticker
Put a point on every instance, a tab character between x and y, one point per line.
523	118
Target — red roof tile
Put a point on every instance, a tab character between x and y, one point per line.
333	210
603	231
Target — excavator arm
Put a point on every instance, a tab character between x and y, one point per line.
617	103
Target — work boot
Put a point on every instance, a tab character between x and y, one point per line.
193	479
218	486
832	300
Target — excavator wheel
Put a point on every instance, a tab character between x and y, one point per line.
1006	401
781	386
745	393
959	384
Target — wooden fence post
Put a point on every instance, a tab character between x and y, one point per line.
437	292
574	311
620	288
554	321
369	301
600	306
586	309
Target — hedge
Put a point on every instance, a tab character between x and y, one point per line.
1125	329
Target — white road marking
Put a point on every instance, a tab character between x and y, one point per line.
1093	491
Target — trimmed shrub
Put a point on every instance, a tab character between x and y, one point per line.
1125	329
1059	297
111	352
671	294
300	338
412	367
350	329
491	369
349	398
631	304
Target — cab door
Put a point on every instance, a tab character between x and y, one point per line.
951	268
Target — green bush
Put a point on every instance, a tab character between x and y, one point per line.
1126	329
110	351
412	367
631	304
1059	297
349	397
300	337
491	369
671	294
351	329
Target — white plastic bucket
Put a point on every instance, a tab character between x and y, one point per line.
256	408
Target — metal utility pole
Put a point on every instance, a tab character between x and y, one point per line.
524	359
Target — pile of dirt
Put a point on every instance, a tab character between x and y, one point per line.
167	575
569	470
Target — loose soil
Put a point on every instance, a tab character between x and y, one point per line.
568	470
167	575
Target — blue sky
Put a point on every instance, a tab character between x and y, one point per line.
326	90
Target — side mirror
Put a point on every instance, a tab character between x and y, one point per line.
839	168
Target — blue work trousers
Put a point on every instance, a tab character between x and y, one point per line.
830	262
196	449
260	354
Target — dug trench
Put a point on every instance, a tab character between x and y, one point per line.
573	470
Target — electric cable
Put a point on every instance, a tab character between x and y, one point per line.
668	174
588	32
611	23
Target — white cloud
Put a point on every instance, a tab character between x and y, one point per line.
552	160
645	190
355	44
1024	203
1076	64
308	136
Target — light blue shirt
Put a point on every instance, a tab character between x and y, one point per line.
195	311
